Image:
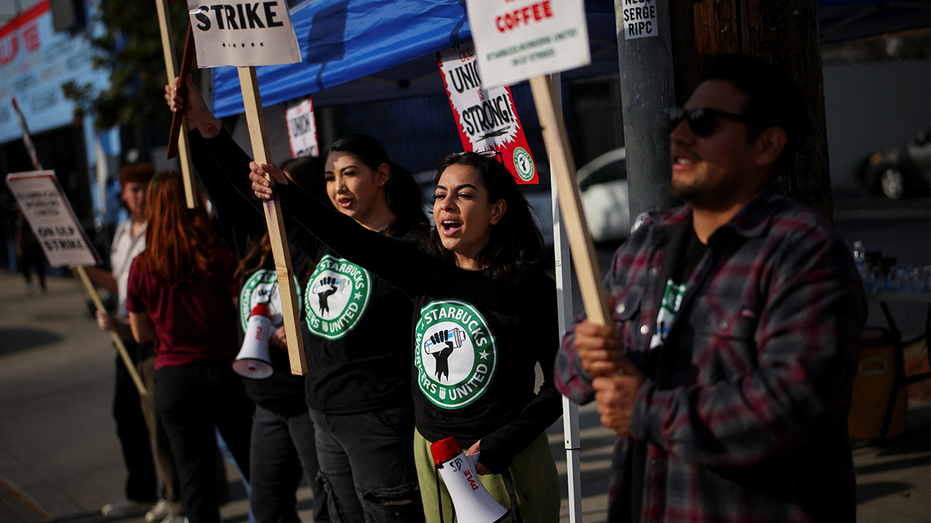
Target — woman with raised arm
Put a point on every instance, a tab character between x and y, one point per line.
358	357
180	295
485	315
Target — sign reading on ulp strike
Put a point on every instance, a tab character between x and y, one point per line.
486	118
519	39
243	34
51	218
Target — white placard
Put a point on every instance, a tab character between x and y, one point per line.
302	128
51	218
639	19
520	39
242	35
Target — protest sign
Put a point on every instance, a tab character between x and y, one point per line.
246	35
518	39
243	34
51	218
302	128
486	118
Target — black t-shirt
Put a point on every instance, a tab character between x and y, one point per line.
475	340
357	337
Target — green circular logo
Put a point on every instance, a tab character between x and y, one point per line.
262	287
524	164
455	354
338	293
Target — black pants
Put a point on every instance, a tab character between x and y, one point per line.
141	482
32	256
193	401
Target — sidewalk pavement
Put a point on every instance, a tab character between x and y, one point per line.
60	459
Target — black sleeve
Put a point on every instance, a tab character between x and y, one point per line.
235	226
397	261
499	448
224	170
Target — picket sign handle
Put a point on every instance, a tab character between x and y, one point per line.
130	366
168	48
255	117
187	61
570	202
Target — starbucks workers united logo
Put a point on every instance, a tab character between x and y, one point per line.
337	293
262	287
455	354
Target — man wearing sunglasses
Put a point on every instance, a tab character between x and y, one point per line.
728	367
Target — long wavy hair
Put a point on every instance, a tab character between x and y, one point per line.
401	191
516	244
179	244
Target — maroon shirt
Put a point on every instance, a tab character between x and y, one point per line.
193	322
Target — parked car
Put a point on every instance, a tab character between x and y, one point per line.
899	171
603	186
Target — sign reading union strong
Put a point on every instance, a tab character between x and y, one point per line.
455	354
337	295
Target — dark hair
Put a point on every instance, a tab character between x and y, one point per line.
401	191
773	100
136	173
307	173
516	244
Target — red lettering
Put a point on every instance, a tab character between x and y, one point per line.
8	50
471	478
258	332
533	13
31	37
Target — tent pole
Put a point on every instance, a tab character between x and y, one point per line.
570	411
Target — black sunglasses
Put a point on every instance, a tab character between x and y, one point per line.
702	120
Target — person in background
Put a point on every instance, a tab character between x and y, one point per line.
29	252
180	296
134	433
283	443
357	384
727	370
484	317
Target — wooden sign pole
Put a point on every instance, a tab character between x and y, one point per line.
255	117
168	48
187	62
570	203
130	366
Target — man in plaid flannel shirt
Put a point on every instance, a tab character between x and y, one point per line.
736	324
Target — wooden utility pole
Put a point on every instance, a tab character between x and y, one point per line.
785	33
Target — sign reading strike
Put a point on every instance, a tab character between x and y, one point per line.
639	19
519	39
486	118
302	128
243	34
51	218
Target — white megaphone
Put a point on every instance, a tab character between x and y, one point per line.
253	360
473	504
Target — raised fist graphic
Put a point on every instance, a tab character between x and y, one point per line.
438	339
324	296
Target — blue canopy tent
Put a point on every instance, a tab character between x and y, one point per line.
383	49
